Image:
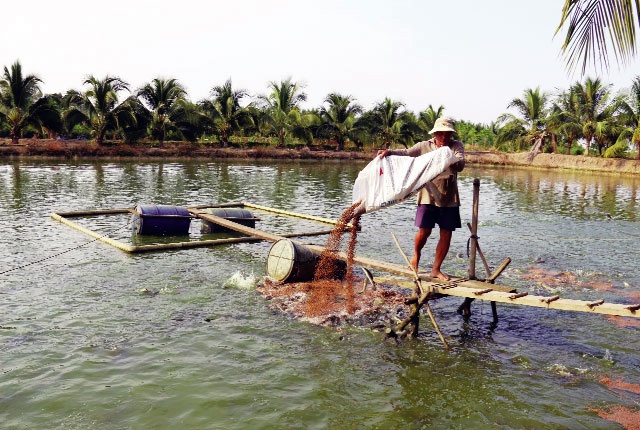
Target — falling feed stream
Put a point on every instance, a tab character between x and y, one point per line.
94	338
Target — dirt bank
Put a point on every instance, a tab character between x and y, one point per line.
72	149
557	161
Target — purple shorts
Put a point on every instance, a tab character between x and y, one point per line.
427	216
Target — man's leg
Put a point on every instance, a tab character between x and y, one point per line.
441	252
418	243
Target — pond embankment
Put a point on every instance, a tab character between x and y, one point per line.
557	161
71	149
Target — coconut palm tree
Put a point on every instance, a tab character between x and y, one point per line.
160	96
427	118
610	145
99	107
339	117
594	26
223	113
189	119
134	130
259	119
390	122
283	107
22	103
71	115
530	123
305	125
630	116
596	110
565	118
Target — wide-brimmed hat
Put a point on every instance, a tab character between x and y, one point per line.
443	124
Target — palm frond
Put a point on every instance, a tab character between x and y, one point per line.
596	26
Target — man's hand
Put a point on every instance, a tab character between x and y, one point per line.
457	166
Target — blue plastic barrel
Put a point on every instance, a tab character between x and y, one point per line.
241	216
161	220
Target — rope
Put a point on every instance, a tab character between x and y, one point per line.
66	251
471	236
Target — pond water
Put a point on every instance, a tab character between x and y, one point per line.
94	338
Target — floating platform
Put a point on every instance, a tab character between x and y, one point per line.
467	288
202	212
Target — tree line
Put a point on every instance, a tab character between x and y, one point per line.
588	113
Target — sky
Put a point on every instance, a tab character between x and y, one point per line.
472	57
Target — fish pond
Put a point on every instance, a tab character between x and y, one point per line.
95	338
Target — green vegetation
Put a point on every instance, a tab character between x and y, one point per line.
585	119
22	105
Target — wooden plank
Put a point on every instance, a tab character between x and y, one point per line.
461	290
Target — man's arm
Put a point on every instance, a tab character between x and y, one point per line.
414	151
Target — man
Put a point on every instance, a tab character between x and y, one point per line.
438	201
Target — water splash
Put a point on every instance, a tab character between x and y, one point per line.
559	369
608	358
241	281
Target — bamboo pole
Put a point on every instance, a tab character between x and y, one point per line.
236	226
218	205
116	244
293	214
214	242
415	308
466	306
403	270
499	270
93	212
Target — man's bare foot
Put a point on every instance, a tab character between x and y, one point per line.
439	275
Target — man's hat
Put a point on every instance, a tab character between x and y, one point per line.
443	124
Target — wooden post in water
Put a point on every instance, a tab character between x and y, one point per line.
465	307
474	228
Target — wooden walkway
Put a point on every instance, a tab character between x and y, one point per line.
495	293
471	289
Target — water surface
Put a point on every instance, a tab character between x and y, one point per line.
93	338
